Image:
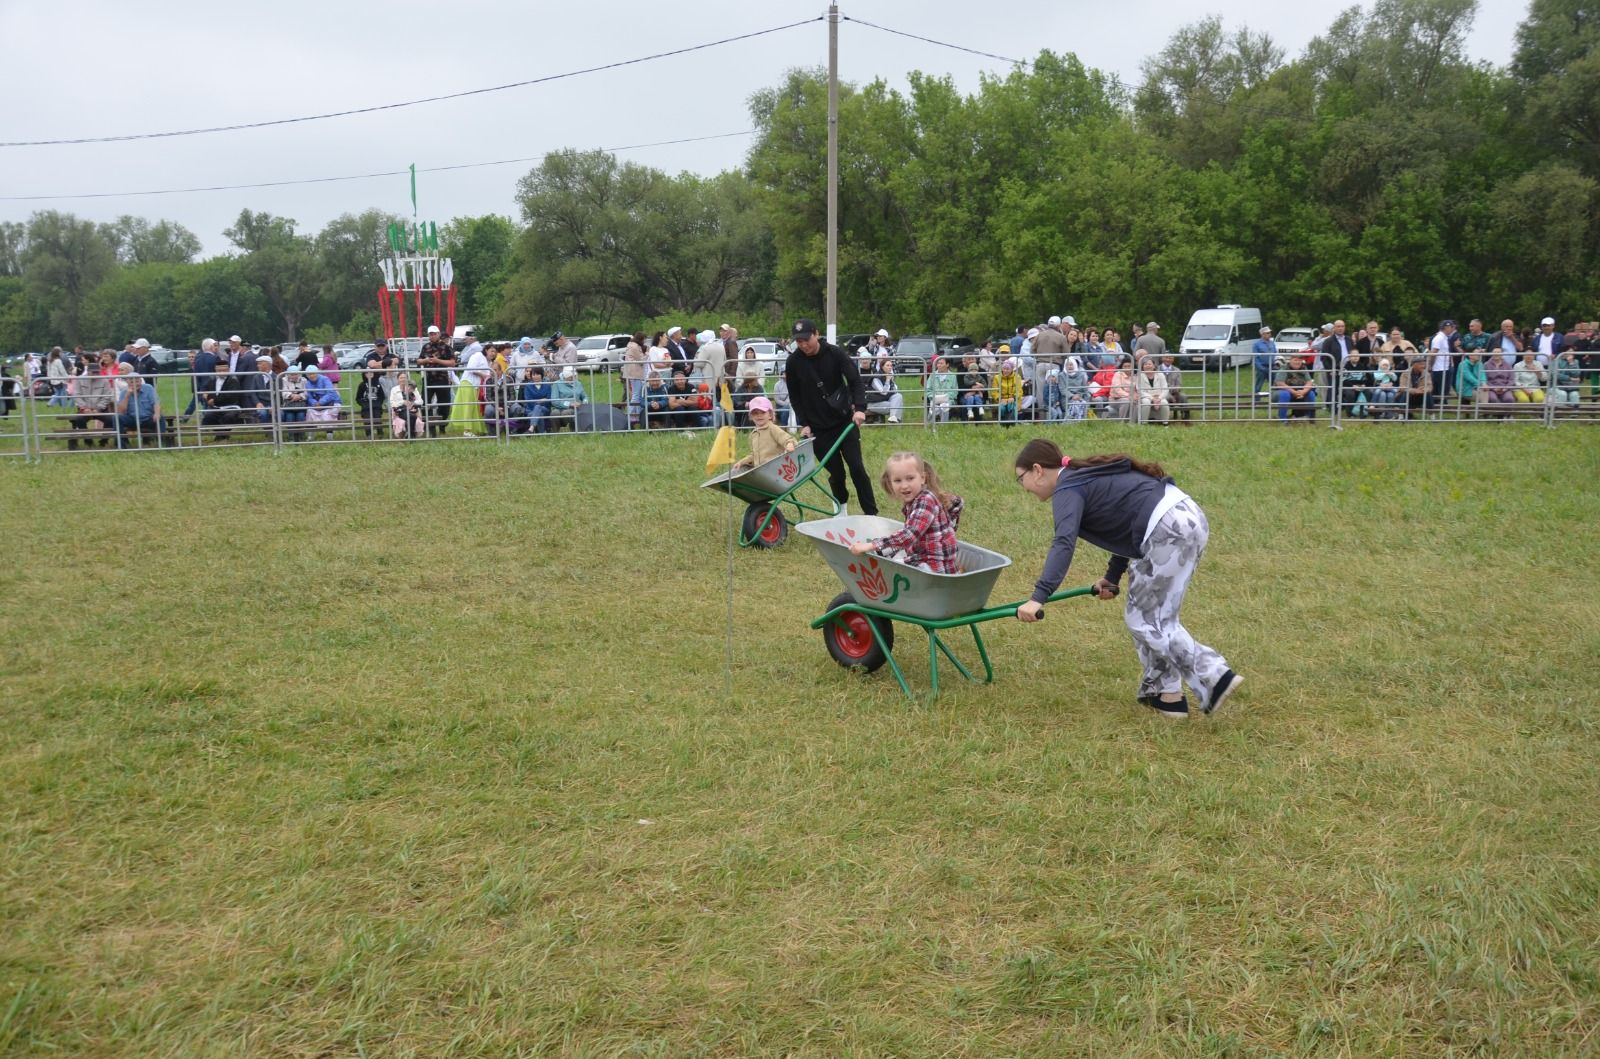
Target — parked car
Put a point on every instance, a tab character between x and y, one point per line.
1219	338
355	356
914	354
766	354
170	361
602	352
1293	340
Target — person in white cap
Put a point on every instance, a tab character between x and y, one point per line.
677	349
1027	341
880	344
1548	343
1050	344
436	358
138	355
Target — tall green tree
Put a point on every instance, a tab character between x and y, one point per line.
138	242
612	240
283	264
13	244
349	249
66	258
137	301
480	250
1557	63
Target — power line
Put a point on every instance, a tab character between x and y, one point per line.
940	43
413	102
356	176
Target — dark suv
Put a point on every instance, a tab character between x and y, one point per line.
914	354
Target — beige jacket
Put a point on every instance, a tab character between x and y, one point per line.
767	442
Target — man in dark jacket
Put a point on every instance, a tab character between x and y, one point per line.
255	392
437	358
827	395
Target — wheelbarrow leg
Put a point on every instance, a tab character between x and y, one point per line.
937	641
894	667
983	653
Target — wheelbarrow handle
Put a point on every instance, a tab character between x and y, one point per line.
837	442
1068	594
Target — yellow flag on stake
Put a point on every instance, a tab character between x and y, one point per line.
723	449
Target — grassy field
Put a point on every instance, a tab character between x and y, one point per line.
426	751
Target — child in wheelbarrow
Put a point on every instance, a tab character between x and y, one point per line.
928	541
767	438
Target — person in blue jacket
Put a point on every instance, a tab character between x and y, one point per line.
322	398
535	400
1156	533
1264	354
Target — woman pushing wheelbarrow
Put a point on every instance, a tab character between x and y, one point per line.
1156	533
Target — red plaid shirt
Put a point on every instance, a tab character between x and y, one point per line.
929	536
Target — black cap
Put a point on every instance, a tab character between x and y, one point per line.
557	335
804	328
381	342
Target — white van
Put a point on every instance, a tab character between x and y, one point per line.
1219	338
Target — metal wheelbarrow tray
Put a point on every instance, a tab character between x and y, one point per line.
858	627
767	486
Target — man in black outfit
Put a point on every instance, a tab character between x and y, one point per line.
436	360
826	394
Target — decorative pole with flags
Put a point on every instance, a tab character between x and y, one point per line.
415	266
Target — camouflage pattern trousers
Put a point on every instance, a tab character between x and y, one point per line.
1156	584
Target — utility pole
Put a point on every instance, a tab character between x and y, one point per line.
833	173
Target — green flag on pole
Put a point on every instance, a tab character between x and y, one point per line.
413	189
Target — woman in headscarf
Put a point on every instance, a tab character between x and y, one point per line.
467	413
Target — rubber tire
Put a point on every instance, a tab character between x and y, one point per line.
777	530
857	650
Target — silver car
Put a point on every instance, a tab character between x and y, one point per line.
601	352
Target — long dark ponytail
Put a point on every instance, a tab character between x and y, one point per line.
1046	453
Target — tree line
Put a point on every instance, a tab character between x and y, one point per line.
1379	173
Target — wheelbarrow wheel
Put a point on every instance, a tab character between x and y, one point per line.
773	534
849	637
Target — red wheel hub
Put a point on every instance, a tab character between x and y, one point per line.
772	530
852	633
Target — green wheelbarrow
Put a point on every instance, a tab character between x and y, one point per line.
766	487
858	628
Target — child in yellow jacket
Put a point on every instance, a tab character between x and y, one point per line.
1010	391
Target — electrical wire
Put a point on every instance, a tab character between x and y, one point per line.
940	43
412	102
356	176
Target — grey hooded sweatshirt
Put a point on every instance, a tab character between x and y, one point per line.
1109	506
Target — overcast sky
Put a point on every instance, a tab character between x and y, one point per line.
89	68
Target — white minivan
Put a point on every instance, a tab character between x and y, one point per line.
1219	338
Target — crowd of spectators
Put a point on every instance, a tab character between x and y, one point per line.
1381	374
1055	371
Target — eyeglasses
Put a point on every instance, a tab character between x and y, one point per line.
1021	475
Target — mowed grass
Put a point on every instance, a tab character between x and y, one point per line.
427	751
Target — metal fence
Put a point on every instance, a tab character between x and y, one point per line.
361	407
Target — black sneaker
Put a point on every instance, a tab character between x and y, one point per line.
1219	695
1177	711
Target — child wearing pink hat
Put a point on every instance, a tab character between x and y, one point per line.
767	438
